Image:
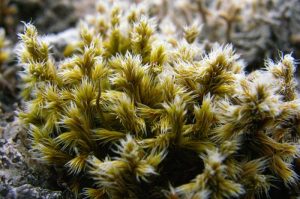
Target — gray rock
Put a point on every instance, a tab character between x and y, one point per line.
29	191
21	175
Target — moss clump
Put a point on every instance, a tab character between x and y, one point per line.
7	12
131	115
3	52
7	73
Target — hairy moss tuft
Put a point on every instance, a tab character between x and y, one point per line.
131	115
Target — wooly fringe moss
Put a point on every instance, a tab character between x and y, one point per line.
134	113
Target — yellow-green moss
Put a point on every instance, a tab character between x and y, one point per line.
131	116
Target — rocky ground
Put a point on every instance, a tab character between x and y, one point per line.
20	175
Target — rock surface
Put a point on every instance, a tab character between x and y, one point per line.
21	176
